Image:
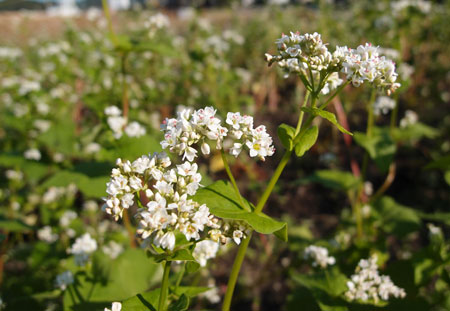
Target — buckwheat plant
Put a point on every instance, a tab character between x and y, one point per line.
324	73
178	219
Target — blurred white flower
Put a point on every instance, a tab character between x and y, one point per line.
45	234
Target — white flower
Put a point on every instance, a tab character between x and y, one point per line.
409	119
42	125
82	248
112	249
113	111
165	240
14	175
32	154
368	285
319	256
134	129
92	148
205	250
67	218
116	123
90	206
116	306
45	234
64	279
383	104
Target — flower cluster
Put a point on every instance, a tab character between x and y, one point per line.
383	105
367	284
205	250
82	248
308	56
409	119
118	124
64	279
45	234
319	256
169	208
189	129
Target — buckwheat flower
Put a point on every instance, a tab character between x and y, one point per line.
113	111
383	105
82	248
332	83
368	285
409	119
92	148
116	306
14	175
212	295
63	280
45	234
205	250
32	154
165	240
157	21
53	194
42	125
112	249
67	218
319	256
134	129
116	123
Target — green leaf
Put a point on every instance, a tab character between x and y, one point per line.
32	169
286	135
334	179
442	163
13	225
327	287
94	187
192	266
142	302
414	132
222	201
190	291
130	148
114	280
380	146
181	304
307	140
60	138
334	284
331	117
183	254
395	218
447	177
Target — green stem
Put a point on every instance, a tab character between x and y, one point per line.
369	130
300	118
329	99
164	287
235	272
273	181
231	177
107	13
181	274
